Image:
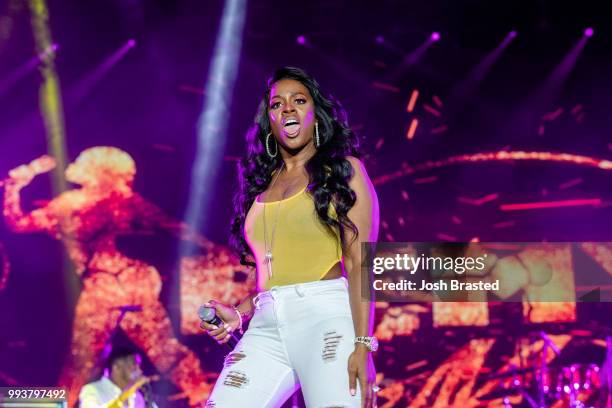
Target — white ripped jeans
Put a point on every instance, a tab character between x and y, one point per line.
300	336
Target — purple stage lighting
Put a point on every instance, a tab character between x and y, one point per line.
301	40
588	32
435	36
82	89
512	34
50	50
380	39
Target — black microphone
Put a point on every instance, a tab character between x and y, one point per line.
208	315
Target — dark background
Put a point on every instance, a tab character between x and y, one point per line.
146	105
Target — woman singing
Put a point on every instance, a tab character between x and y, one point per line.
304	205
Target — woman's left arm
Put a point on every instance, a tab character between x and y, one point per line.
365	215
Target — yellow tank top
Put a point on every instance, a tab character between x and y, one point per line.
303	249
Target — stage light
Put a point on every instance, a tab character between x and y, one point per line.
546	94
412	129
468	86
301	40
212	132
26	68
49	52
380	39
499	156
412	102
214	118
416	55
50	101
85	85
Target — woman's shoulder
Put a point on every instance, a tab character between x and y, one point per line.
360	182
355	161
359	170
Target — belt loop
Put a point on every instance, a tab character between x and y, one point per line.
299	290
256	300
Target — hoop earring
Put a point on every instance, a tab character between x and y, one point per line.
268	146
317	140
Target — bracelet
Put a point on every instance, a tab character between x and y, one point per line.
239	319
370	342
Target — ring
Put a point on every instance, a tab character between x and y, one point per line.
375	388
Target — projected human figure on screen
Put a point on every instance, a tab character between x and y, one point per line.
88	220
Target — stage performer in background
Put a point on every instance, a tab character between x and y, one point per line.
88	220
123	382
304	206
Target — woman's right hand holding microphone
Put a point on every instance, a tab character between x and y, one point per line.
230	317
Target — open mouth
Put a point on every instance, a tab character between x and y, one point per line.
291	127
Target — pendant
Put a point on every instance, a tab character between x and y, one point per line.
268	261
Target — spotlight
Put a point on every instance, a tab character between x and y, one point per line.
213	122
131	43
380	39
435	36
301	40
512	34
588	32
50	50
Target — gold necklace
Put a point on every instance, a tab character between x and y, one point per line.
268	256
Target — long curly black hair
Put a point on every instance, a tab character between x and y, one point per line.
329	170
